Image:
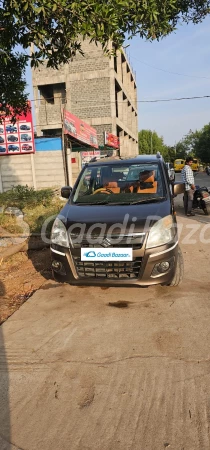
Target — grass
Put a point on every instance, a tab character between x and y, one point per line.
9	224
36	217
37	206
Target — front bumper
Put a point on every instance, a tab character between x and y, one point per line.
142	268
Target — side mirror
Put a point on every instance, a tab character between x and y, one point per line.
178	188
66	191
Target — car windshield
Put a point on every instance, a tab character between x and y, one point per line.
119	184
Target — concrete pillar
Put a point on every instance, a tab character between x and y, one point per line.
112	95
119	65
125	111
33	171
120	105
69	155
124	74
132	91
124	149
37	107
129	119
135	96
134	124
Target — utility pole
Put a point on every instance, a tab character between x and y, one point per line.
151	145
64	147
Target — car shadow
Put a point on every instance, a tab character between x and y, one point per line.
4	389
39	254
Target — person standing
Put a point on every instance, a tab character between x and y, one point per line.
189	181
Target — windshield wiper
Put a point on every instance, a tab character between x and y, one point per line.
104	202
148	200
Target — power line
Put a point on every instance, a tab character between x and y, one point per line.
174	99
169	71
123	102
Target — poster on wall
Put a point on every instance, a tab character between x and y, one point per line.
87	156
111	140
80	130
18	138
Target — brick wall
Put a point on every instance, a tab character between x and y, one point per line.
14	170
89	63
87	94
49	170
50	115
41	170
100	132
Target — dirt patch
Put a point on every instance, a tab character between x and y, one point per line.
20	277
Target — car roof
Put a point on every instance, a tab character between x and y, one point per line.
143	159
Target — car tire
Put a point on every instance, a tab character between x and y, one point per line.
179	273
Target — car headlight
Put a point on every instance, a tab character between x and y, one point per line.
59	234
162	232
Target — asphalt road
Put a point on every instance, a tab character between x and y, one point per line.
201	179
78	372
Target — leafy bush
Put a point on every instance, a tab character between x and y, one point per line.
26	197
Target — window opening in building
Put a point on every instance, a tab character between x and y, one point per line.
46	93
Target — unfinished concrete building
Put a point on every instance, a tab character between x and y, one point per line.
100	90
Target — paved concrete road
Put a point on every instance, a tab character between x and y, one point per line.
79	374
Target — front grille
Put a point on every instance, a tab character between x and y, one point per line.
108	270
134	241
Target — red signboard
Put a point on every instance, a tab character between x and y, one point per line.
111	140
80	130
17	139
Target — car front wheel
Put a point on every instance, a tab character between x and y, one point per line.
179	273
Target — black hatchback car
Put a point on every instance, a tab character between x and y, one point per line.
119	226
12	138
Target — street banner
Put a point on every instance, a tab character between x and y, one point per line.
111	140
80	130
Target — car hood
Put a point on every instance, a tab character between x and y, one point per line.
140	215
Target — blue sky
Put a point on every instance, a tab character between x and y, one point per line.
187	52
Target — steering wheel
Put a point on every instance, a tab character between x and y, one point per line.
103	191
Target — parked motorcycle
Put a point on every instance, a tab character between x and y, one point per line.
201	199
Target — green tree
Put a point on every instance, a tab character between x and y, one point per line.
169	153
57	28
188	144
202	147
181	150
190	141
13	85
150	142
